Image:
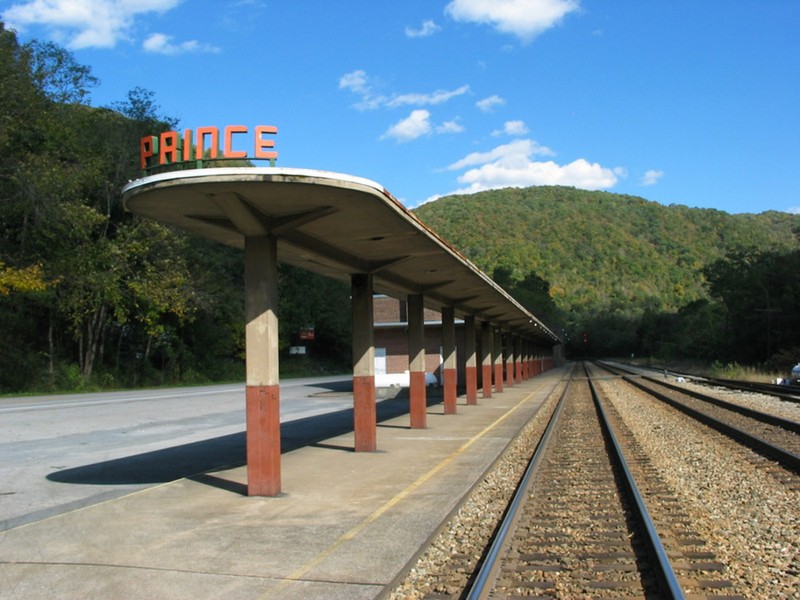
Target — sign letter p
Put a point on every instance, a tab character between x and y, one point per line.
148	147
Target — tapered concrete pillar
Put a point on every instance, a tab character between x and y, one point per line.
518	358
531	355
487	342
364	409
509	354
526	370
262	393
471	360
498	360
449	364
416	359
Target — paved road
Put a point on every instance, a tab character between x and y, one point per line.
62	452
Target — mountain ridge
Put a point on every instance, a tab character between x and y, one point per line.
602	251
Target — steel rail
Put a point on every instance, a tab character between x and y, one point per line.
792	426
481	585
787	459
788	393
666	574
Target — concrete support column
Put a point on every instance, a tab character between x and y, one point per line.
262	394
449	371
486	358
532	359
497	336
364	408
509	353
416	359
518	358
471	366
526	374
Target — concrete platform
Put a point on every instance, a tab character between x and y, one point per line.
346	525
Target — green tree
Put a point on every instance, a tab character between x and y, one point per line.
311	300
759	291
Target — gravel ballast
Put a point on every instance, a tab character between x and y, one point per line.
739	502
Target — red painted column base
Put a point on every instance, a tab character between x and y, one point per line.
471	375
263	440
450	396
510	374
364	413
418	406
498	378
487	381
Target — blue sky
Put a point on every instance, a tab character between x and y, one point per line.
693	102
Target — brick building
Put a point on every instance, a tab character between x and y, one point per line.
391	344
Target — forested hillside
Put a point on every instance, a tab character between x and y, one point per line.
620	265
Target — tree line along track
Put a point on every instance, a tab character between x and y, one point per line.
580	527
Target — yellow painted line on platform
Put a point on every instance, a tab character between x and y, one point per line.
349	535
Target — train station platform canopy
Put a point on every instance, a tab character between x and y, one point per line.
336	225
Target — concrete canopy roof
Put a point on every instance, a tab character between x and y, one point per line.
335	225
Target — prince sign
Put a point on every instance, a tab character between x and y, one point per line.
203	143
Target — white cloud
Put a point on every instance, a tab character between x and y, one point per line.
523	18
488	104
795	210
517	152
162	44
415	125
450	127
356	81
512	128
84	23
651	177
361	84
428	28
437	97
511	165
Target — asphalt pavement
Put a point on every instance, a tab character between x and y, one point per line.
104	445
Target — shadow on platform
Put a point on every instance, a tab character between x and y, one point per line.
197	460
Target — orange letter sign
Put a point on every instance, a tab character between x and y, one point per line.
262	144
228	151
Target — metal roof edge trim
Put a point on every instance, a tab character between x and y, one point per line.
222	171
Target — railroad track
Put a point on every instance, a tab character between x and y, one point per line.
583	522
788	393
771	436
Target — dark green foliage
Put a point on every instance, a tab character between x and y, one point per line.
92	296
760	293
311	302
